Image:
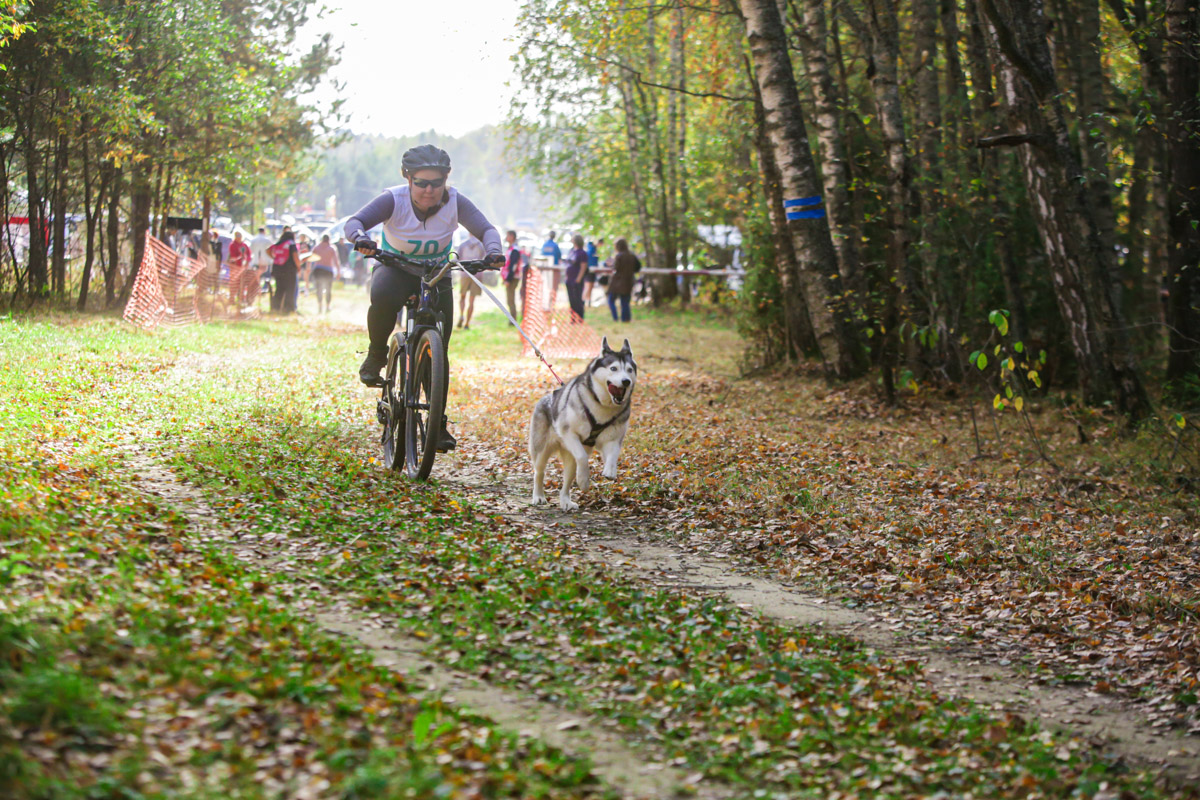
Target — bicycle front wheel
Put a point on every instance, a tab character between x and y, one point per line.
426	397
391	408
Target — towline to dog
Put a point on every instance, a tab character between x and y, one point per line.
536	350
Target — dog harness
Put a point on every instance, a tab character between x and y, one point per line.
599	427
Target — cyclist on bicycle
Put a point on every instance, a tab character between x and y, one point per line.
419	220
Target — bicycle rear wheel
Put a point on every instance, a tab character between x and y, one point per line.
391	408
427	404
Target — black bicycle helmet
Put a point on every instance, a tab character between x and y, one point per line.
425	156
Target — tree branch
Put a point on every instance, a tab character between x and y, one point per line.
1010	140
636	75
854	20
656	8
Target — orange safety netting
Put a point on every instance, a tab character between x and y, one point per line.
172	289
555	329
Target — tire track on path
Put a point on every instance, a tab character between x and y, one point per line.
613	758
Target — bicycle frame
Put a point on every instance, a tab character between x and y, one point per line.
400	393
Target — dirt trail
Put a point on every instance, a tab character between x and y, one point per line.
952	667
613	758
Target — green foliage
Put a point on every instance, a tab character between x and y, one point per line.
1019	371
760	310
59	698
593	121
13	25
188	100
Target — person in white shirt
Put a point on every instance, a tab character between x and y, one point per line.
260	257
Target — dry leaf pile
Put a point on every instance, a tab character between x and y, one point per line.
1089	575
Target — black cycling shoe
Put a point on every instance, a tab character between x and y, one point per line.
446	442
375	361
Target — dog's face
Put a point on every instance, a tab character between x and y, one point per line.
614	373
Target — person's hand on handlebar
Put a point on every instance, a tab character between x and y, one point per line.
364	245
494	258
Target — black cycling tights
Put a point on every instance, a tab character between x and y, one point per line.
390	288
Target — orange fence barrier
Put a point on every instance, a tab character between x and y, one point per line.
556	330
173	290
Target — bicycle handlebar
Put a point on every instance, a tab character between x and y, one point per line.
432	273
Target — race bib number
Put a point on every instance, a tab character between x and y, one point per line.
427	248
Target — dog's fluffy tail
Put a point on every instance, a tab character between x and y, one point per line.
539	427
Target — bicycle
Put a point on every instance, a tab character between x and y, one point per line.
415	379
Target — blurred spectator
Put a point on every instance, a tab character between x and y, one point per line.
511	273
260	254
304	279
620	285
577	263
326	264
468	290
242	274
589	281
343	250
285	267
554	252
358	264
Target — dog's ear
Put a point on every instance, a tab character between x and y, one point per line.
604	348
626	348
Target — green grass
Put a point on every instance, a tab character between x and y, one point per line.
153	621
733	695
137	660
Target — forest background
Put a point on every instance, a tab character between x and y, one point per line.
995	193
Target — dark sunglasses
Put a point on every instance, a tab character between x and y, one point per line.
422	183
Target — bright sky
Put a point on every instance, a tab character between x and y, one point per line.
415	65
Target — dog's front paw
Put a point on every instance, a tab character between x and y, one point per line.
610	472
566	504
584	479
537	499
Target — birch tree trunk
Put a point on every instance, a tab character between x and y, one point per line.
635	168
683	221
1066	222
800	341
112	235
834	163
819	278
664	287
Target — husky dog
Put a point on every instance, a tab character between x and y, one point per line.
590	410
